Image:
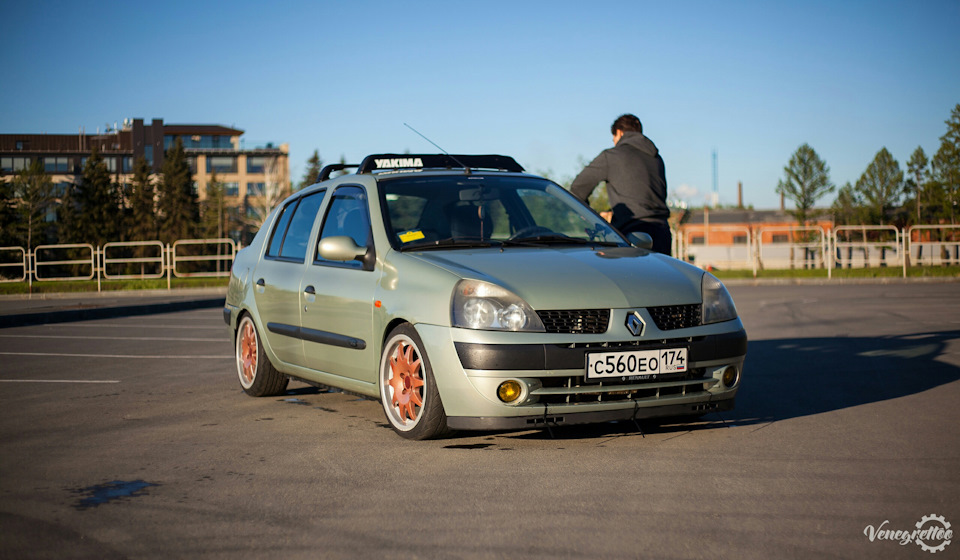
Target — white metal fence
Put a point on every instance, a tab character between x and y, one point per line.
784	247
126	260
867	246
934	245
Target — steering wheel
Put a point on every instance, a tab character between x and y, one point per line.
531	231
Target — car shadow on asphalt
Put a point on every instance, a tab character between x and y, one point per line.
791	378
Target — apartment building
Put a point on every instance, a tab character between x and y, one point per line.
244	170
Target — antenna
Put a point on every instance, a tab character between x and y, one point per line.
715	197
466	169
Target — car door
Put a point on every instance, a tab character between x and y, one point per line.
277	277
337	296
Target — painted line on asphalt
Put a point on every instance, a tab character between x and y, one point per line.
89	325
124	356
56	381
149	338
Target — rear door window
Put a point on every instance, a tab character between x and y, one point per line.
293	246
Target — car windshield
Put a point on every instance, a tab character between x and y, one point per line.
483	211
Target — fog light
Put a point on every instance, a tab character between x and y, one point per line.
730	377
509	391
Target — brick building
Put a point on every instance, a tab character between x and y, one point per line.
244	171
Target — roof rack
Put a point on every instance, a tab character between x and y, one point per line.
392	162
329	169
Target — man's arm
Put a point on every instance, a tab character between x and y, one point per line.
590	177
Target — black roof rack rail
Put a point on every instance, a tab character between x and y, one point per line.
391	162
329	169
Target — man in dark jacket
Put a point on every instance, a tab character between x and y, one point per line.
636	183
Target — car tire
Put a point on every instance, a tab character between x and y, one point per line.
257	375
408	389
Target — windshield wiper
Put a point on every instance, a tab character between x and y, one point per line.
449	243
555	239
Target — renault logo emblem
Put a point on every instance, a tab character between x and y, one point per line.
635	324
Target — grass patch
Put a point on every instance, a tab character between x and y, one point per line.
110	285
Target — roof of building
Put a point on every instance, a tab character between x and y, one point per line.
214	129
57	143
738	216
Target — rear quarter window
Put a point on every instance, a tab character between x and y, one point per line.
280	228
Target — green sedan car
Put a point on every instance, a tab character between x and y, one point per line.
465	294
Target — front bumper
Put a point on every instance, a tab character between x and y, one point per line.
470	366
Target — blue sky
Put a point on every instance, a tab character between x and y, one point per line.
540	81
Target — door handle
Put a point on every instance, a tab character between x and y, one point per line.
261	283
310	291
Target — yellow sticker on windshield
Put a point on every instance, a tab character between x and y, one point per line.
409	236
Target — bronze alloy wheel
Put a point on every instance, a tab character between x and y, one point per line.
257	375
247	352
407	388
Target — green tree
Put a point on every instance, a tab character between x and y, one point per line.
24	205
68	216
96	204
33	190
881	186
945	171
847	209
314	165
212	213
142	217
178	207
807	178
917	177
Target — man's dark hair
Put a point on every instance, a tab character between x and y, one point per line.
626	123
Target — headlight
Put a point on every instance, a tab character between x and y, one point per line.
717	303
486	306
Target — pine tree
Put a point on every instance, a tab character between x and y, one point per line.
807	179
178	207
945	171
212	214
881	186
142	218
96	203
68	216
314	165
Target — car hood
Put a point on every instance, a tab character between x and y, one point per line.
577	277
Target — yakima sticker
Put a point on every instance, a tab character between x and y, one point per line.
398	162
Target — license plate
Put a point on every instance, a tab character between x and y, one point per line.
638	363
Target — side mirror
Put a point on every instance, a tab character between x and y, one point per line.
340	248
641	240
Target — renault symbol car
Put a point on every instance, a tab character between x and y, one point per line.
466	294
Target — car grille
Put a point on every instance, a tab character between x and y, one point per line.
573	390
670	317
575	321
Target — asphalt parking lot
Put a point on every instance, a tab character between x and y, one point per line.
129	437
